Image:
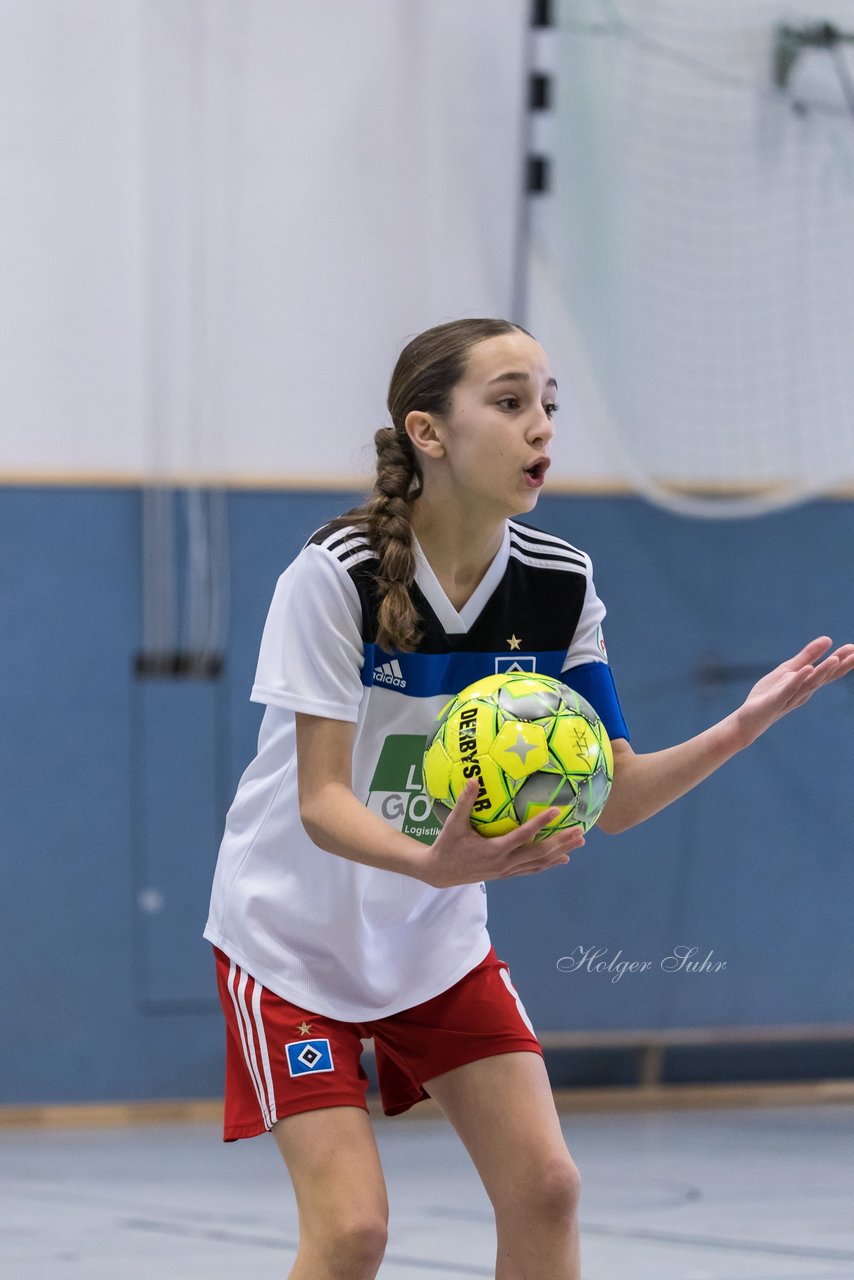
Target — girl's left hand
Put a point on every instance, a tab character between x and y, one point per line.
791	685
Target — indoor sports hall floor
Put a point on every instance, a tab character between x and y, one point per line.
690	1195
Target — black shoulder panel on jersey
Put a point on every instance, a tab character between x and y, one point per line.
334	537
540	545
539	598
351	548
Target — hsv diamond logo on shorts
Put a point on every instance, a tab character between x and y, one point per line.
309	1057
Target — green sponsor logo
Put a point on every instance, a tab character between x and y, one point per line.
397	788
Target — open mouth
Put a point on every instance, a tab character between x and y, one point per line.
536	473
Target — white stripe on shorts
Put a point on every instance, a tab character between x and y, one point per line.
265	1054
266	1101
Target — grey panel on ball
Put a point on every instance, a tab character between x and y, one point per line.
531	706
577	704
440	719
566	794
540	788
592	794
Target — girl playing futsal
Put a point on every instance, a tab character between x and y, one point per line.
331	922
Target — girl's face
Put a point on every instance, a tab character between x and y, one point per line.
495	438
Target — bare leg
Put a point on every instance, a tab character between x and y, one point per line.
503	1110
333	1161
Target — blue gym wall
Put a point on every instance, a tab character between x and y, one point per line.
114	791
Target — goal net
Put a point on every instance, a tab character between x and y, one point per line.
697	244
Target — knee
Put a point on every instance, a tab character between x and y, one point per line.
553	1191
560	1188
354	1247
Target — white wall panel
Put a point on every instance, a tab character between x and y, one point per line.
220	220
69	236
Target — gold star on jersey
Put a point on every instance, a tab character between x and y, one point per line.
514	641
304	1029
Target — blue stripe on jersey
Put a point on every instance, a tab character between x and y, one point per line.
595	683
429	675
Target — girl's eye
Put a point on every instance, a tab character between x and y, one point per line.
512	403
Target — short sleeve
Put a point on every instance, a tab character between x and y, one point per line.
588	643
586	668
312	650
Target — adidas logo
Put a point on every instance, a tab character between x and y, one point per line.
390	673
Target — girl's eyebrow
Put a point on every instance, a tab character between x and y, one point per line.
519	377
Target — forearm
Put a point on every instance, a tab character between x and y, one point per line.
339	823
645	784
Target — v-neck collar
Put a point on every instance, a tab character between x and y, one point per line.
459	621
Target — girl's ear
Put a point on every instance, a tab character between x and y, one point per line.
425	433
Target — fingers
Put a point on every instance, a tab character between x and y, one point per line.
532	866
839	664
794	682
808	654
824	671
523	857
531	829
804	673
571	838
809	678
844	663
461	812
559	844
548	855
468	856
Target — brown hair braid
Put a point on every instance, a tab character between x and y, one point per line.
427	370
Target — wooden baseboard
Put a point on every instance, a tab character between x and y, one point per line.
351	482
676	1097
683	1097
670	1097
111	1115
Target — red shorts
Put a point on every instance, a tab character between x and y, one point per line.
281	1059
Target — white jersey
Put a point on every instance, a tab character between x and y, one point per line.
329	934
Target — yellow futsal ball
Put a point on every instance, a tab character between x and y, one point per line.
532	743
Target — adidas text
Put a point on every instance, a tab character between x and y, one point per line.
390	673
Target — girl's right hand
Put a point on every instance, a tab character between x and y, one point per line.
459	855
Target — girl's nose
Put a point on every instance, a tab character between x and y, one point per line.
543	429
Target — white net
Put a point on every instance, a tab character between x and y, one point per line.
700	240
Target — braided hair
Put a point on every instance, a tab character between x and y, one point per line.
427	370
